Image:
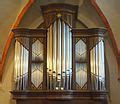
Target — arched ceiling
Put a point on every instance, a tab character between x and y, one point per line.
10	10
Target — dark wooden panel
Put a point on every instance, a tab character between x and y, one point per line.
60	102
58	97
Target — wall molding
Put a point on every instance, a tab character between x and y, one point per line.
24	10
106	23
5	51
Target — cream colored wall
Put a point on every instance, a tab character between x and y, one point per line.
9	10
113	70
33	18
89	16
6	85
111	9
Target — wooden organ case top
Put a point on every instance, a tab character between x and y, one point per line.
59	63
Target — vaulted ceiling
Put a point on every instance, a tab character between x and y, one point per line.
13	10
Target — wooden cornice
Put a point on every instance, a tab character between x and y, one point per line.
24	10
89	31
106	23
25	32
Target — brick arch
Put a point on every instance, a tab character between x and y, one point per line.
24	10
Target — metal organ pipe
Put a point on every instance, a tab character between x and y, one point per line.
63	55
21	66
59	56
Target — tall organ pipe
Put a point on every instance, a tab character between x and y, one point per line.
59	55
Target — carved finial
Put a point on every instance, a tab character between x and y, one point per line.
59	15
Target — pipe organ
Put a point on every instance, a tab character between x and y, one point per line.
29	59
58	61
89	59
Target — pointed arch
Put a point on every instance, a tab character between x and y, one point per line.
106	23
24	10
5	51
